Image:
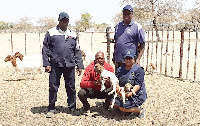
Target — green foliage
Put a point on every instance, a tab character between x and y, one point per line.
84	23
5	25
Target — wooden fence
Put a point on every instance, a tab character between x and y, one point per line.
175	55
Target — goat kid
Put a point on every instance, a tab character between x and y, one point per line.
126	89
30	64
104	75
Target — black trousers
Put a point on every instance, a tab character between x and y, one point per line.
83	94
54	83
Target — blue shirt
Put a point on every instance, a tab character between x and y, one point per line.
60	49
135	76
127	37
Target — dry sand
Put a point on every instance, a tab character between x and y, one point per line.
24	102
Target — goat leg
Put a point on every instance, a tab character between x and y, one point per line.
113	102
102	85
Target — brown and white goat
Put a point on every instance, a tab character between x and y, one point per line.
30	64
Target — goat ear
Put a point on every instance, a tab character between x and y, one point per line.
7	58
13	61
16	53
21	57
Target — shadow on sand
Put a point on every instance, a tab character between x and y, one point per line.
95	111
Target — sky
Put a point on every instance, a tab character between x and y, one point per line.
102	11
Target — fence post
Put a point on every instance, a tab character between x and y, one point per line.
188	57
172	56
25	43
108	45
147	52
181	53
11	42
195	54
161	52
91	41
166	52
40	43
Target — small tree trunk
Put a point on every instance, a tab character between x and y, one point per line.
156	28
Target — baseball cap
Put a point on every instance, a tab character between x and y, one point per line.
128	7
130	53
63	15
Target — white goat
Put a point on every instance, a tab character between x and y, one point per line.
88	57
31	64
105	74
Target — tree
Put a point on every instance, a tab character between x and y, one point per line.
118	17
85	22
4	25
24	24
47	23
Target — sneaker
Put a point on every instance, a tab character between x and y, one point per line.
50	114
142	114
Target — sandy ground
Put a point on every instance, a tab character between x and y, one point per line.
24	102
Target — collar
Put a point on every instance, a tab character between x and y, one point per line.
131	23
67	32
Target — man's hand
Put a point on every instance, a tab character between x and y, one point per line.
79	71
48	69
118	90
98	82
128	94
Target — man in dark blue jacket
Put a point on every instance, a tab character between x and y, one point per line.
61	53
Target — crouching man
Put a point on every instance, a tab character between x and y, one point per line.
91	83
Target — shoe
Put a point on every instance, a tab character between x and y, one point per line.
50	114
106	105
86	107
128	113
75	112
141	114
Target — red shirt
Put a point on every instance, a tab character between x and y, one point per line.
90	76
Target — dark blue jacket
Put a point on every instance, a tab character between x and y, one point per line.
60	49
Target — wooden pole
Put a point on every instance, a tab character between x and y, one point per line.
152	47
195	54
161	52
166	52
147	53
11	42
188	56
108	45
25	43
157	52
172	55
181	53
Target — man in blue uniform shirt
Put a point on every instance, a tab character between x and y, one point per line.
61	53
128	35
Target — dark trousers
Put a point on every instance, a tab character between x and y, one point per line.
54	83
83	94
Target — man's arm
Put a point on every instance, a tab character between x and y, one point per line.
46	53
87	81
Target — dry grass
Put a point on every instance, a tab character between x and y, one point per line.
170	102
